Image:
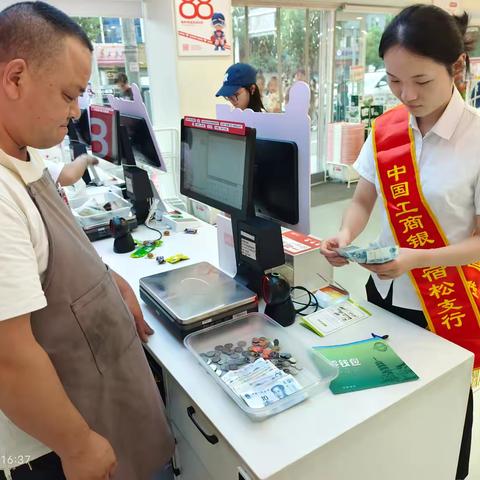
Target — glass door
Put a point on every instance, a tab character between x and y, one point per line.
286	45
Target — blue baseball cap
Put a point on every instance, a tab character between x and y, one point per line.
237	76
218	19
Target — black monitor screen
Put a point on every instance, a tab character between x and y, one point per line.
141	141
276	180
126	150
79	130
216	168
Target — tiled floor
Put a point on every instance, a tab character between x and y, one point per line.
325	221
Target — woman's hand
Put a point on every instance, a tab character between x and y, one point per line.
329	246
407	260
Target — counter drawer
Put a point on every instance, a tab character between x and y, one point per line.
186	460
211	448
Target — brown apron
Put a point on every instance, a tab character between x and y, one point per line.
90	337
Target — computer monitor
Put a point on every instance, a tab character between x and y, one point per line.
217	168
275	181
141	142
79	130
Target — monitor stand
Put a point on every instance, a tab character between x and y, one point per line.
258	247
141	209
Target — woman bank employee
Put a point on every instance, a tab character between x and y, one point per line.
240	88
423	159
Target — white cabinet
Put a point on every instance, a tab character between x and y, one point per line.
343	172
390	433
395	436
187	464
199	440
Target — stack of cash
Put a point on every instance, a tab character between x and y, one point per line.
261	383
374	254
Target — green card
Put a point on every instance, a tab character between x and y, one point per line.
366	364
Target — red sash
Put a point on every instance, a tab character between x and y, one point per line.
450	296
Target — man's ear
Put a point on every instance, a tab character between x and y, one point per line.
13	77
252	89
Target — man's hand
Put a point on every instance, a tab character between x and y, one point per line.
407	260
327	249
50	417
94	460
129	297
143	329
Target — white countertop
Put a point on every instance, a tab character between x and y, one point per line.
268	447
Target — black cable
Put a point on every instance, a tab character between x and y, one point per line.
155	230
151	228
312	300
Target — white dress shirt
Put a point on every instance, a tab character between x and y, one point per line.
448	159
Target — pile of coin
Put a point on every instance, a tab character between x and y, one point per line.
229	356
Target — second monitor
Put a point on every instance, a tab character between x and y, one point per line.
275	180
141	147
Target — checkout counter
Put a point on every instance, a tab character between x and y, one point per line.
406	431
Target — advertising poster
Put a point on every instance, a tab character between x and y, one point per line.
202	27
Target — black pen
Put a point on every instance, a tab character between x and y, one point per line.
383	337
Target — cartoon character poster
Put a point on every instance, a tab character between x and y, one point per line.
203	27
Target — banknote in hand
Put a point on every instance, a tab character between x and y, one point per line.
374	254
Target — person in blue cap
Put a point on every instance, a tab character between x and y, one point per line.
218	37
240	88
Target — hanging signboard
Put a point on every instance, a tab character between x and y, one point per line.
203	27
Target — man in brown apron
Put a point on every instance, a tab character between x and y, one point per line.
77	398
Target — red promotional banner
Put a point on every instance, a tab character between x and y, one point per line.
223	126
449	295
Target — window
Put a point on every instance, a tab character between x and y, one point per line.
112	30
286	45
359	77
118	47
139	30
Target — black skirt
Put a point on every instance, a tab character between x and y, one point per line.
418	318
